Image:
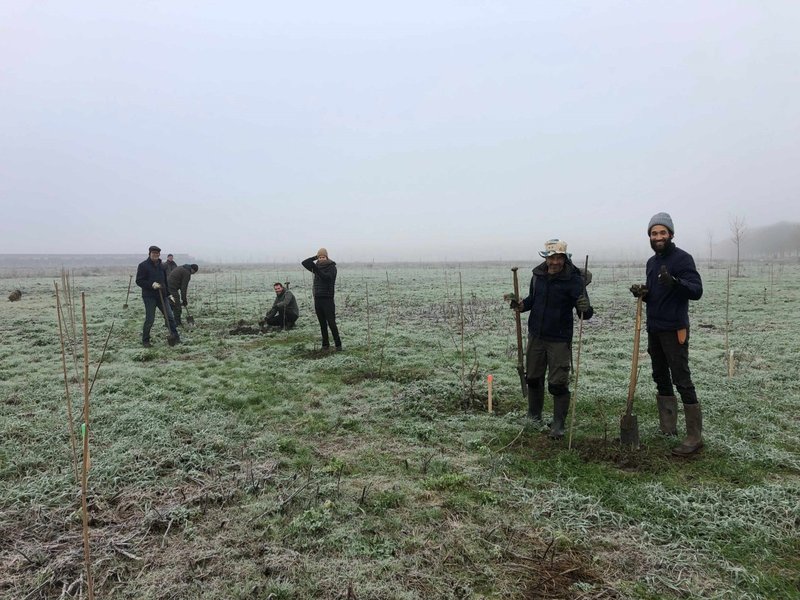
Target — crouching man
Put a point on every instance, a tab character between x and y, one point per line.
284	312
556	289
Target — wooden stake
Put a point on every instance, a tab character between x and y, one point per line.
728	352
369	335
489	379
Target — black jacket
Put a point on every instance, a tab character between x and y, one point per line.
551	300
148	273
668	307
324	276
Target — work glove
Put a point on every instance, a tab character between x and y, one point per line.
582	304
664	278
639	290
514	304
156	285
172	299
185	302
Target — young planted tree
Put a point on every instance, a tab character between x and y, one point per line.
738	229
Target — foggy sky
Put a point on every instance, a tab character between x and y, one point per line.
259	131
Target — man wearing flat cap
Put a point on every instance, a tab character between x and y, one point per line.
324	270
152	278
672	280
557	288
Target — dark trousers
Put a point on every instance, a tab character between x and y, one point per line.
177	309
553	357
670	361
278	320
150	305
326	315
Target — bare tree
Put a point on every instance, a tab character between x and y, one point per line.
738	229
710	233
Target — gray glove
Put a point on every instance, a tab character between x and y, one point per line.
582	304
639	290
156	285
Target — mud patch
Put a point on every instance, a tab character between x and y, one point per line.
243	328
646	459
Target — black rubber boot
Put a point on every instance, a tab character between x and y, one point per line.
560	410
694	431
667	414
535	400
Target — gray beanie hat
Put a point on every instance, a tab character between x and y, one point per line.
661	218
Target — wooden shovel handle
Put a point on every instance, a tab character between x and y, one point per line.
635	359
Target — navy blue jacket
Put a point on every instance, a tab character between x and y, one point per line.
551	300
668	307
147	273
324	276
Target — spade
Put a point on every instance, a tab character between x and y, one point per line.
629	423
129	292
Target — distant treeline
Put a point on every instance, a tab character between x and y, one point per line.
781	240
71	261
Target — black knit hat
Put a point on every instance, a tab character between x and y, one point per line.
154	249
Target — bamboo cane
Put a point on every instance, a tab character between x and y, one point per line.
86	460
574	402
518	320
70	421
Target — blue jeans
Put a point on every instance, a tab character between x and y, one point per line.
150	304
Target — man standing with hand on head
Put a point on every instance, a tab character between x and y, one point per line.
324	270
672	280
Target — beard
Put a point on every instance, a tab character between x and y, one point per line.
660	246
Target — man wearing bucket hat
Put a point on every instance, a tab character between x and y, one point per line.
672	280
557	288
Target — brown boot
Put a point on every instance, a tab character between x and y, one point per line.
667	414
694	431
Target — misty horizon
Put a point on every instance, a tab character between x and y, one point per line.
448	132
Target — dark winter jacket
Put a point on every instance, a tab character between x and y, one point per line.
178	281
324	276
668	307
148	273
285	302
551	300
170	266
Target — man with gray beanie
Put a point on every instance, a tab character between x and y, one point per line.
672	280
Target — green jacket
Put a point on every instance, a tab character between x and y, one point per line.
178	281
286	303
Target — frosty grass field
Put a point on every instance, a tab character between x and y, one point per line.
254	466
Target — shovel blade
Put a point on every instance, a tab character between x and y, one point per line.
124	306
629	431
190	320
